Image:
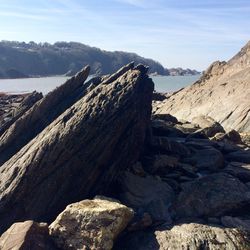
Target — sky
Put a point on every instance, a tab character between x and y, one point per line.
185	33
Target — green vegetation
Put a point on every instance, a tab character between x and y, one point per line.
44	59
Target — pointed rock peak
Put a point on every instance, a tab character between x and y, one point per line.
83	74
142	68
119	73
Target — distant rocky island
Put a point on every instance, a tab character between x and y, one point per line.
21	60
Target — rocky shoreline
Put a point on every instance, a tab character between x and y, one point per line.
89	166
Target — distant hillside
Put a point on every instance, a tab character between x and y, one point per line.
19	59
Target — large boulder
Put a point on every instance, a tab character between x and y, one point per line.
26	236
90	224
192	236
80	153
212	195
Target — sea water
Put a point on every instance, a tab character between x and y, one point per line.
46	84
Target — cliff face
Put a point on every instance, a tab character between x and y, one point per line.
221	93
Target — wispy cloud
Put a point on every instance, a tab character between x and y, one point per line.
24	15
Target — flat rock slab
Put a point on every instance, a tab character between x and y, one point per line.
240	156
211	196
192	236
147	194
207	159
239	170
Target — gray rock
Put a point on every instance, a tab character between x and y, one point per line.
163	128
234	222
147	194
166	145
207	159
31	123
239	170
81	153
240	156
213	195
222	93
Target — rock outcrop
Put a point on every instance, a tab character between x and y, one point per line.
221	93
42	114
81	152
90	224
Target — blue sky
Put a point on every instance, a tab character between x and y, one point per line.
186	33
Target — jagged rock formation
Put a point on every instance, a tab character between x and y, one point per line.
90	224
81	151
42	114
221	93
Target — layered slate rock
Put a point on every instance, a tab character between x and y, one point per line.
212	195
221	93
42	114
81	152
26	236
90	224
147	194
192	236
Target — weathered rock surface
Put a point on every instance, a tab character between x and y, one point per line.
81	152
240	156
42	114
148	195
190	236
239	170
26	236
212	195
235	222
221	93
90	224
207	159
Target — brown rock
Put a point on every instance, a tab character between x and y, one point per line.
90	224
26	236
